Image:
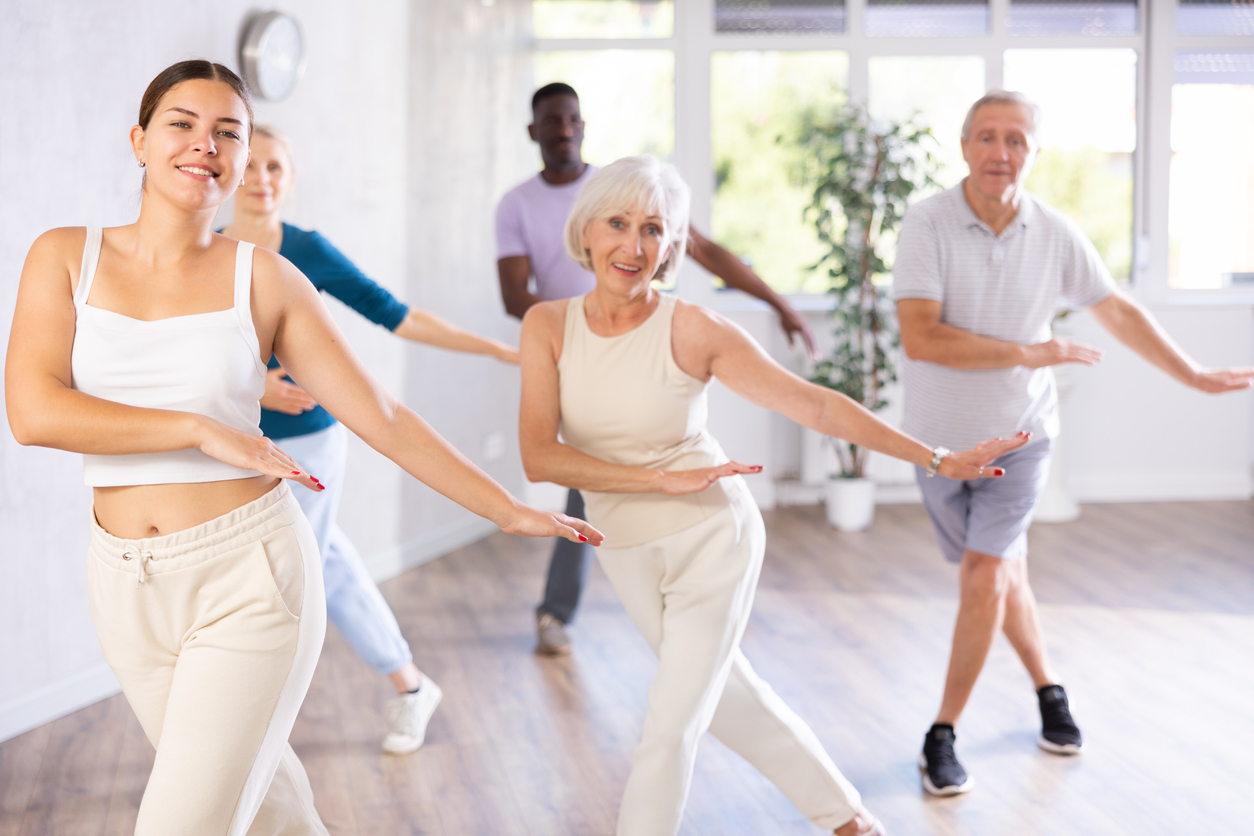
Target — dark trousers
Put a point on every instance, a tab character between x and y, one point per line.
568	570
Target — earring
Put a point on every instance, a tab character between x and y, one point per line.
141	163
241	182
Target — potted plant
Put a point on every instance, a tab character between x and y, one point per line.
863	174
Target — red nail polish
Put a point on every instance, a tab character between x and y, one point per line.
295	472
583	539
1000	472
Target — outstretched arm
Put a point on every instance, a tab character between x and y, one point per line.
722	263
547	459
1133	326
707	344
429	329
311	347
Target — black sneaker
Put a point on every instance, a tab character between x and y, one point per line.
942	774
1059	733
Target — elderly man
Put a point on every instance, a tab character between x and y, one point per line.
980	270
529	223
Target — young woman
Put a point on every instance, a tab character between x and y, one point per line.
310	434
144	347
621	374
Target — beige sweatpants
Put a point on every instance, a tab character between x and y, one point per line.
214	633
690	595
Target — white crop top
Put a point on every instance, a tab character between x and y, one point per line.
208	364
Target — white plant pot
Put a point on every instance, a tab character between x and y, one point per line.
850	503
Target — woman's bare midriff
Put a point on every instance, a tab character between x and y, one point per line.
137	512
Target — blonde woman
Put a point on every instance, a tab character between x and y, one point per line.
144	347
614	404
313	436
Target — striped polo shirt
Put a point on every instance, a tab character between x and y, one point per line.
1007	287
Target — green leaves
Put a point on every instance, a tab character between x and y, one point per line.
862	173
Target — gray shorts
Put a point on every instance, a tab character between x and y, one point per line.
989	516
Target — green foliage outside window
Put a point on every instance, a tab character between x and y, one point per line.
1094	189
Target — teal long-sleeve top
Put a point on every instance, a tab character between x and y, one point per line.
331	272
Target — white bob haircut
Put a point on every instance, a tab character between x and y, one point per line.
627	185
1003	97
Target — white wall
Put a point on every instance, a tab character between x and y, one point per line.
398	166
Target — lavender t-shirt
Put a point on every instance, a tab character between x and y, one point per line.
530	220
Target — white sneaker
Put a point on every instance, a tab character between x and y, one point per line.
408	716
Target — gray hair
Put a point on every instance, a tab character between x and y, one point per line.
626	185
1002	97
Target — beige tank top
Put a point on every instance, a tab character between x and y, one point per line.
624	400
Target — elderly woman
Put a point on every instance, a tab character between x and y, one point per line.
621	374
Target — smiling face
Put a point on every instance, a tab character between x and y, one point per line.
626	248
267	179
1000	149
195	147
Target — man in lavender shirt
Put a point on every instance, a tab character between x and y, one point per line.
529	224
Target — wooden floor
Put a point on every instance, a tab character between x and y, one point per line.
1149	610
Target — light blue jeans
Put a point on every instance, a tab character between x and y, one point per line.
354	604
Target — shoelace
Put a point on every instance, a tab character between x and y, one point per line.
402	716
1056	714
139	556
941	753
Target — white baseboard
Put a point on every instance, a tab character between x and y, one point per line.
1188	488
438	542
56	699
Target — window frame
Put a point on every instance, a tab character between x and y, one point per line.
1156	43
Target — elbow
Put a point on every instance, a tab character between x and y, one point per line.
534	469
913	348
25	430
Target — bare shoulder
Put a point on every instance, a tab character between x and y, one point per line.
65	241
273	271
55	257
704	324
546	317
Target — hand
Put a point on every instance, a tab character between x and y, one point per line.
1214	381
970	465
795	325
1058	351
284	396
251	452
508	354
680	482
533	523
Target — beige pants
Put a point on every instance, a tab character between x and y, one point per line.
214	633
690	594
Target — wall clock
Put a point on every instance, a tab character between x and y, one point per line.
272	55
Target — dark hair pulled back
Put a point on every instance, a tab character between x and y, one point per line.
195	70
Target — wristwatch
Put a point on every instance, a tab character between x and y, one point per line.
933	466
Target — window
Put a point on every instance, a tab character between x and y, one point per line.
768	17
1072	17
936	91
1134	127
1211	204
621	119
603	18
756	101
915	18
1087	141
1215	17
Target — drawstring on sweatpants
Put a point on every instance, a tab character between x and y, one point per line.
139	556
